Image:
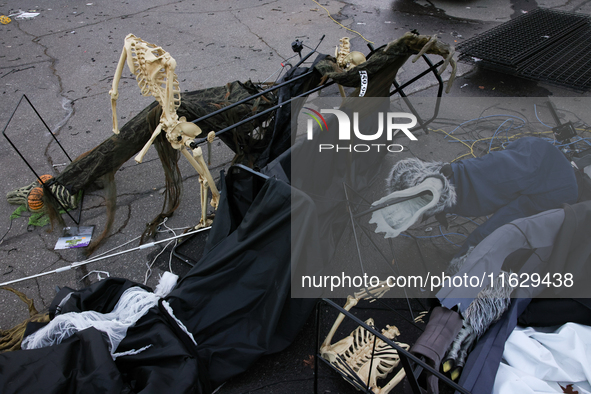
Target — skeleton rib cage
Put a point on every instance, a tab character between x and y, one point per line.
155	84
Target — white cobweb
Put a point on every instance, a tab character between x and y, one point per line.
133	304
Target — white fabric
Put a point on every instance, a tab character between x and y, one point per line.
168	309
131	352
399	217
132	305
540	362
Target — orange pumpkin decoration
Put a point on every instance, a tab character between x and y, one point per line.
45	178
35	199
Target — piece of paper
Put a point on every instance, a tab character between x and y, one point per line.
75	237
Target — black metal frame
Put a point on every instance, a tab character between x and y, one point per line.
413	365
432	68
45	186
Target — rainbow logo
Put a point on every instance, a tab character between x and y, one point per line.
316	118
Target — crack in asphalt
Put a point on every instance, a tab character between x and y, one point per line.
21	65
39	294
124	16
65	102
257	36
125	222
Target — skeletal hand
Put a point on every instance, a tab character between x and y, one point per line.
430	45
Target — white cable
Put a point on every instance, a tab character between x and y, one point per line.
98	274
117	247
148	273
149	270
175	243
78	264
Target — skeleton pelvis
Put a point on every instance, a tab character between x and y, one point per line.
398	217
183	132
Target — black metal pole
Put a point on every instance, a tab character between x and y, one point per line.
195	143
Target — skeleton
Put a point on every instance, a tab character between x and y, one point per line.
154	69
347	59
357	357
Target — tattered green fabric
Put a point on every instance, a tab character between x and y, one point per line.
383	65
105	159
11	339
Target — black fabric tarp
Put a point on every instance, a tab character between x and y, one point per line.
236	302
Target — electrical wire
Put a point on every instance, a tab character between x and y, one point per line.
148	273
536	112
340	24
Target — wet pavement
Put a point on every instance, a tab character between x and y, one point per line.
63	59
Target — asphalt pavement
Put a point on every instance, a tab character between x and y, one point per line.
62	55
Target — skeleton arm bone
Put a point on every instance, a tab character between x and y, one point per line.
364	294
114	92
351	302
169	109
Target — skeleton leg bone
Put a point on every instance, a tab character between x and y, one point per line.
215	194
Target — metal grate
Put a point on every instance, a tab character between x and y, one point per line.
549	45
566	63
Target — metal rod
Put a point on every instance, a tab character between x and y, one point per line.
309	54
373	352
47	127
195	143
432	68
410	375
405	355
45	188
80	263
250	170
252	97
354	231
419	76
317	346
